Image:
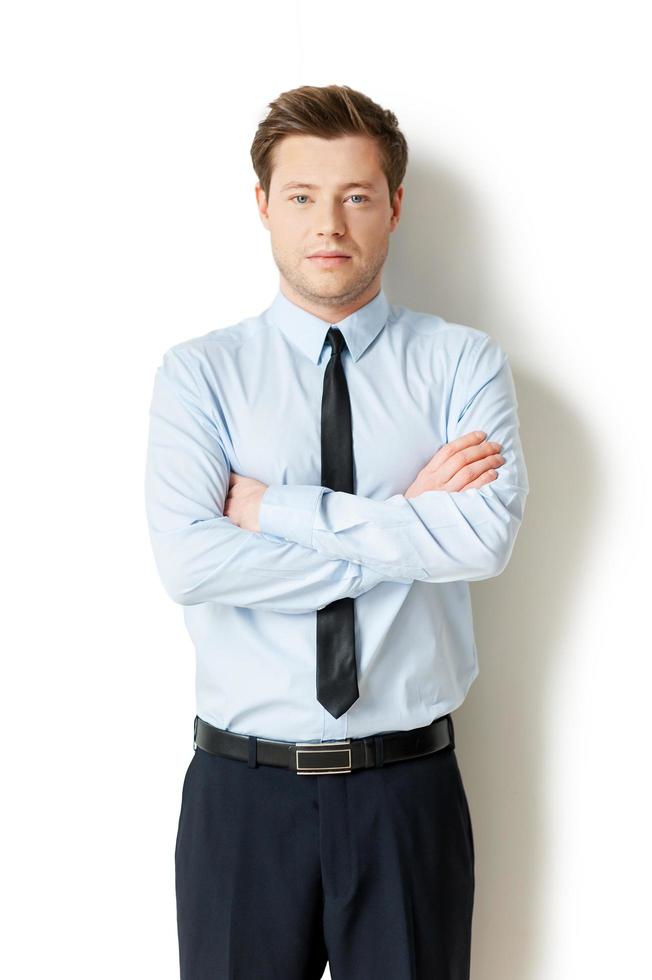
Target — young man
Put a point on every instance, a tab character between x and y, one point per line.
323	481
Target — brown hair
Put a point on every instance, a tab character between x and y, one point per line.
329	111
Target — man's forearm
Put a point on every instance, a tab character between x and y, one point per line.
437	536
200	554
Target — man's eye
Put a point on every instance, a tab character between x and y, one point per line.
295	197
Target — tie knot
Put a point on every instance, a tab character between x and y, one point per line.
335	339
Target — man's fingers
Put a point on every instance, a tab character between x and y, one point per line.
456	456
488	477
466	462
462	442
473	470
449	449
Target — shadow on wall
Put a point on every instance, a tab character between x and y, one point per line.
440	261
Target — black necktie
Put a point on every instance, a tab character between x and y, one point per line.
337	682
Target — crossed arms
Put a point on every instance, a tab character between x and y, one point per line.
317	545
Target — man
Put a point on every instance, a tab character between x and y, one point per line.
323	482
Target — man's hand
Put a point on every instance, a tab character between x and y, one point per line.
466	462
242	504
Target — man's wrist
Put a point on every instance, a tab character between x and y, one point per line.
288	511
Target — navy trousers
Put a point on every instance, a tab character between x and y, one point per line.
278	874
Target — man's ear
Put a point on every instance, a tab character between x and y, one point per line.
397	203
261	200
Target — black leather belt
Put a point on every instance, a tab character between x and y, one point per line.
318	758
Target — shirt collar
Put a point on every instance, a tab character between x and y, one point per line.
308	332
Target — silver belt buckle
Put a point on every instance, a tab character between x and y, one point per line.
323	757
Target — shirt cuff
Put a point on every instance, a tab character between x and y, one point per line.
288	511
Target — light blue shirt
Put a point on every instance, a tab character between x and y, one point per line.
247	398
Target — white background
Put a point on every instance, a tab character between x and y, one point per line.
128	223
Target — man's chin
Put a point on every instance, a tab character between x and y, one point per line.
326	286
335	296
331	282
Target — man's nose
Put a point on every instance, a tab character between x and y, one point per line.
330	220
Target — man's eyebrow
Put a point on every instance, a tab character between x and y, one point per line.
345	187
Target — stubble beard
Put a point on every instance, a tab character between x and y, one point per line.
351	288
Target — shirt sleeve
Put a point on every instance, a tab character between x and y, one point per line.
438	536
201	555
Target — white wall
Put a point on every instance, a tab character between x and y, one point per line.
129	223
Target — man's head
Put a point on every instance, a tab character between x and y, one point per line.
354	156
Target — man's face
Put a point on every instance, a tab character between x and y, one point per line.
329	216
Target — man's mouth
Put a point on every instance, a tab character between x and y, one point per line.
329	258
